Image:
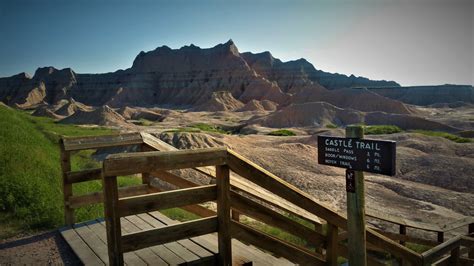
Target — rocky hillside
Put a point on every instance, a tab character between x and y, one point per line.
183	78
428	95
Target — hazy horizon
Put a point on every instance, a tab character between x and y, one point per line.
411	42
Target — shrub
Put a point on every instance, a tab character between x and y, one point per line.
445	135
381	129
282	132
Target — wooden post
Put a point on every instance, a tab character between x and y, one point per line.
223	215
403	231
356	211
235	215
67	188
470	231
145	176
112	220
454	259
440	237
331	250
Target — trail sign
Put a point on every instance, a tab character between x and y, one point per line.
375	156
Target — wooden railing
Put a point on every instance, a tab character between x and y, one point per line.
70	145
241	188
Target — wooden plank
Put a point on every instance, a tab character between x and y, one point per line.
201	252
332	242
80	248
161	251
144	256
435	253
93	241
401	221
206	241
93	142
83	175
263	178
393	247
140	162
270	243
466	261
156	143
408	238
242	253
65	160
112	220
98	226
173	179
343	252
270	217
278	186
223	215
179	250
466	221
98	197
238	182
166	199
168	234
196	209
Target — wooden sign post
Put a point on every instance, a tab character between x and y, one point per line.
356	208
357	155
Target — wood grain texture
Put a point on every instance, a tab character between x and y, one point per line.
169	234
166	199
112	220
141	162
332	243
257	211
237	182
98	197
279	247
65	157
94	142
223	215
73	177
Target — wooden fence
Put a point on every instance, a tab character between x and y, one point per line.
242	188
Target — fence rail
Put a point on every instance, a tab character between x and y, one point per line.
241	188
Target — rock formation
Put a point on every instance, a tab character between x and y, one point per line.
104	116
177	78
427	95
219	101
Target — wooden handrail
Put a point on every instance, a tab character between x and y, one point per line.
437	252
152	237
276	185
281	248
94	142
257	211
145	162
261	185
167	199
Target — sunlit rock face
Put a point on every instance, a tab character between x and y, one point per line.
186	78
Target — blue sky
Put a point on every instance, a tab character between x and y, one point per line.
412	42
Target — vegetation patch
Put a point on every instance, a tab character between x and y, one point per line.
180	214
331	126
144	122
30	174
209	128
282	132
445	135
381	129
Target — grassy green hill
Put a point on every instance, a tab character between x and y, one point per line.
30	177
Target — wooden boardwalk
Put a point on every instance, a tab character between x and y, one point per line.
88	240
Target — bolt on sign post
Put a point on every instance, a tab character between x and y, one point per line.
357	155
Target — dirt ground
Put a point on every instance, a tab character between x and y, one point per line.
45	248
